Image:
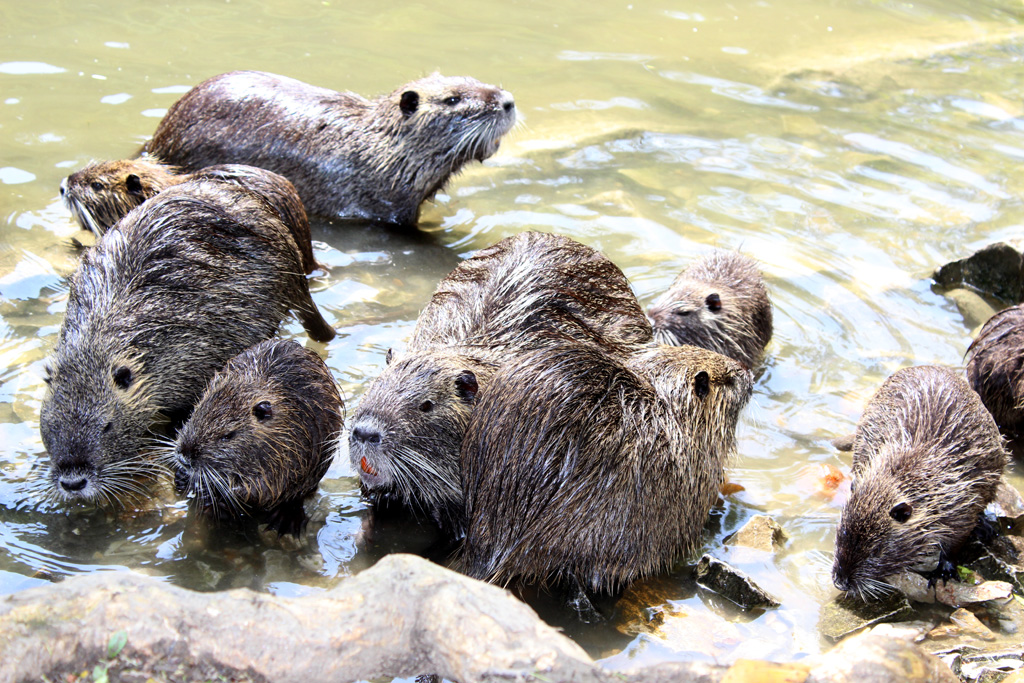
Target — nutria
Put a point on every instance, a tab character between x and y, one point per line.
588	468
187	280
995	368
404	440
719	303
511	297
348	156
531	282
927	458
102	193
262	436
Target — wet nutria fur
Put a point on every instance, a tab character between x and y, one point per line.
514	296
995	368
188	280
529	283
347	156
927	458
262	436
720	303
405	439
102	193
586	468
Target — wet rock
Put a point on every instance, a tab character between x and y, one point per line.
997	269
844	616
988	667
1002	559
732	584
760	532
1008	505
644	605
972	306
869	658
970	625
952	593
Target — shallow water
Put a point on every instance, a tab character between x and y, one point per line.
851	147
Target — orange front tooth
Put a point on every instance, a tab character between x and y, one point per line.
367	467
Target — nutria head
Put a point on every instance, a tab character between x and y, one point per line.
263	433
405	437
927	460
436	125
95	420
718	303
101	194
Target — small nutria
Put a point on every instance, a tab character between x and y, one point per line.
719	303
102	193
189	279
404	441
262	436
348	156
995	368
506	294
511	297
579	466
927	458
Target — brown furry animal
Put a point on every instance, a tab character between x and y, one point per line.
995	368
348	156
262	436
720	303
102	193
582	467
927	458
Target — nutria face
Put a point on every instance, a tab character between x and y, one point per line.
405	437
691	312
927	458
995	368
102	193
95	421
884	529
446	122
263	432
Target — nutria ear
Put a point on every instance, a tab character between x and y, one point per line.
387	358
714	303
133	184
409	103
702	384
466	386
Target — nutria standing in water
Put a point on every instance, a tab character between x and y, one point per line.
348	156
995	368
102	193
720	303
188	280
927	458
583	467
405	437
262	436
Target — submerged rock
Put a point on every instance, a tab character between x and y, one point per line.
732	584
845	616
870	658
760	532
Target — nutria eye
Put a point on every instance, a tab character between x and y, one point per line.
714	303
427	406
110	425
901	512
123	377
263	411
228	436
682	313
453	100
97	187
702	384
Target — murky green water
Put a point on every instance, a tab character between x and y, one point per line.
850	146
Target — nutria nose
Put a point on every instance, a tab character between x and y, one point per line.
509	106
63	187
366	435
73	483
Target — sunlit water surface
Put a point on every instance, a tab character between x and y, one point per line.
850	146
